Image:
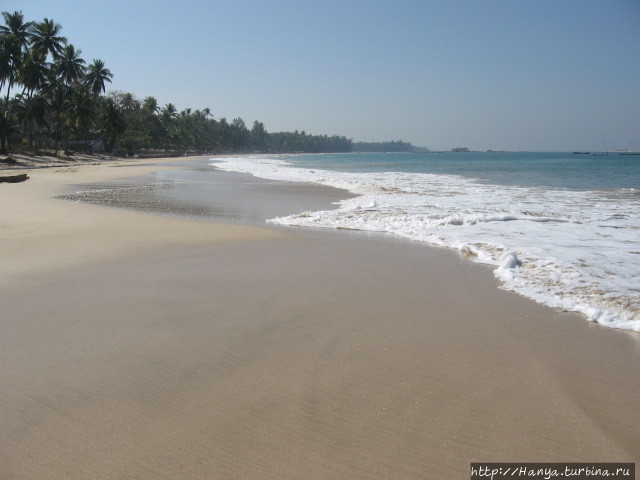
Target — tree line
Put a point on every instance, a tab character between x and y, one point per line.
52	100
392	146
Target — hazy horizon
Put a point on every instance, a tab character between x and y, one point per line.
516	76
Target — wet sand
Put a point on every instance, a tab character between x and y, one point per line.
143	347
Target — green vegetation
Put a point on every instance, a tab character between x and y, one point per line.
394	146
51	100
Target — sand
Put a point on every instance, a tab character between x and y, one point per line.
40	233
143	347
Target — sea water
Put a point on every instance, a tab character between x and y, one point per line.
560	228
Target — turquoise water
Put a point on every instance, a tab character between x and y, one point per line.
541	169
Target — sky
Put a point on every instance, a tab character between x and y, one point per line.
538	75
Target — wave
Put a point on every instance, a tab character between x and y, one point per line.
573	250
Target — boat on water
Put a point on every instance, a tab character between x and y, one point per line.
629	153
581	153
602	154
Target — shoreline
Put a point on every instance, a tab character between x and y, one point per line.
546	241
81	233
137	345
30	161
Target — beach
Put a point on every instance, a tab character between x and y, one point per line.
147	346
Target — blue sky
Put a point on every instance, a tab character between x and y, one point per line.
485	74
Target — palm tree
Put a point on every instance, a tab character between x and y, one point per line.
69	66
152	121
16	26
169	110
97	75
113	122
168	125
33	75
82	110
10	58
15	40
150	104
8	125
45	39
58	108
32	111
129	102
16	66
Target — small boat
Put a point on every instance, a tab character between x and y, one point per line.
629	153
14	178
603	154
581	153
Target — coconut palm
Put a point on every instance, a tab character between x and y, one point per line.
45	39
16	26
17	66
70	67
33	75
10	58
58	108
8	125
150	104
32	111
129	102
82	110
15	39
97	75
113	122
169	110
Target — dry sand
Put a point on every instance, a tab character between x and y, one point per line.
144	347
39	233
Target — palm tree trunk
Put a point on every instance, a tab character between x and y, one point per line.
30	121
9	88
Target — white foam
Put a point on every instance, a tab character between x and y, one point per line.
572	250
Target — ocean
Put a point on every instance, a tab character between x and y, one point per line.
560	228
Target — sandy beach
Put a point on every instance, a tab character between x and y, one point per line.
143	346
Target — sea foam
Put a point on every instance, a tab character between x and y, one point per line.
573	250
